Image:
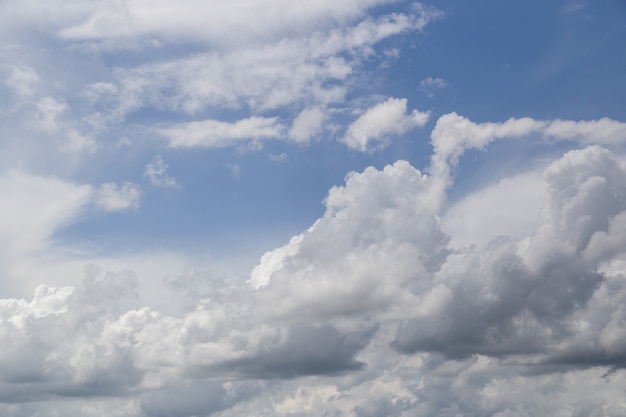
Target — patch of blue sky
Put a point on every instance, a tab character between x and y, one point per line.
488	61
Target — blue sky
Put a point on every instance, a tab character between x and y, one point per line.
290	208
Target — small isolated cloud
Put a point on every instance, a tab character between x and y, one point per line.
217	134
429	85
156	173
373	128
112	197
307	124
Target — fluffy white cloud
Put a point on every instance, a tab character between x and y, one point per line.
508	303
603	131
454	134
216	134
511	207
113	197
374	127
369	296
156	173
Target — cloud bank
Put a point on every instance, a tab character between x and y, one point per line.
371	311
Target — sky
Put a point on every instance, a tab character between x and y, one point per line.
294	208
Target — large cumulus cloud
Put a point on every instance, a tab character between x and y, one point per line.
371	311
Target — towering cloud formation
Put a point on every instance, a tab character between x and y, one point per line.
370	310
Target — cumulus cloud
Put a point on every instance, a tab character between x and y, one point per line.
113	197
507	301
454	134
377	124
478	217
295	60
156	173
370	295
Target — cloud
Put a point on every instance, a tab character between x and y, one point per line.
306	124
454	134
77	143
156	173
506	300
33	208
358	304
48	111
113	197
374	127
214	22
295	70
603	131
430	84
217	134
23	80
512	206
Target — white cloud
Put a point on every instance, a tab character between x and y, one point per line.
306	124
297	69
23	80
156	173
511	207
217	134
454	134
373	276
213	22
429	85
603	131
77	143
374	127
113	197
381	308
33	208
48	111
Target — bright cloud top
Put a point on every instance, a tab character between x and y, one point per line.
374	127
372	285
227	209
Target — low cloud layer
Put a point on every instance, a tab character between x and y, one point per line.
163	248
374	310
